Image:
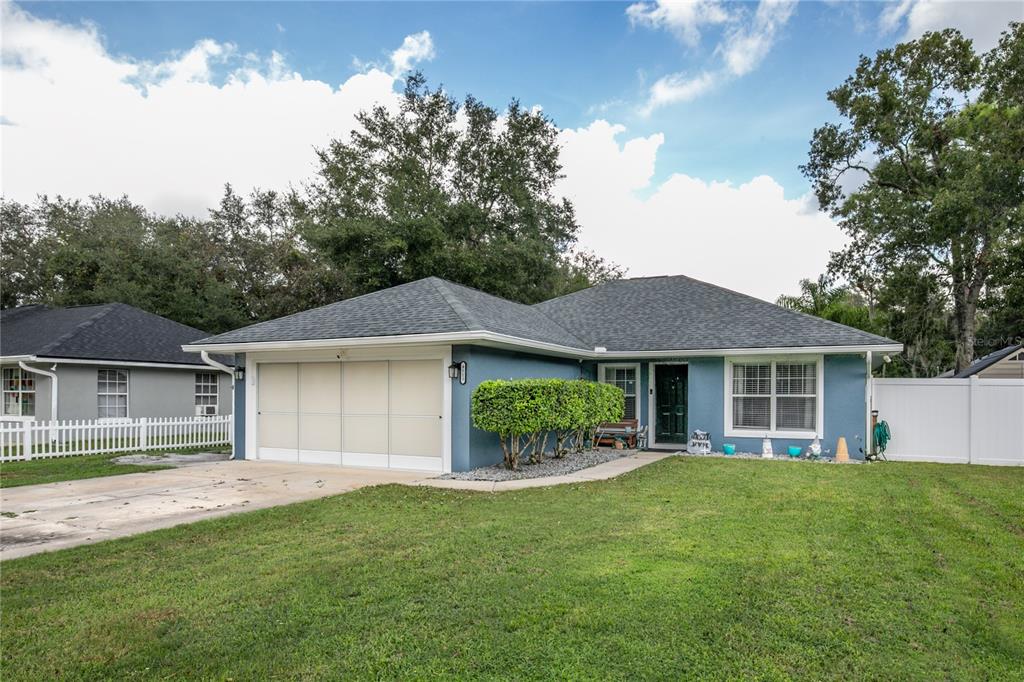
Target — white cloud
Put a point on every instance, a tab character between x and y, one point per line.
981	21
684	19
81	121
169	134
418	47
746	237
746	46
744	43
676	87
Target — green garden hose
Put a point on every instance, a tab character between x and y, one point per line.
882	436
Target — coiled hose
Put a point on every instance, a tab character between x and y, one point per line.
882	436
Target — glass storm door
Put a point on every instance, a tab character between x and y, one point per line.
670	396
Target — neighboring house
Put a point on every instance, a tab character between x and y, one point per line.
109	361
385	379
1007	363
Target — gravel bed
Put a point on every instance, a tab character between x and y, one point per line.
548	467
783	456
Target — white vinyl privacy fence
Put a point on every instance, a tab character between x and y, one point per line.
976	421
23	440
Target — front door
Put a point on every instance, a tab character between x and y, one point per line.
670	397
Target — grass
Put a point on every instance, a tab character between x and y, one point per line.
73	468
686	568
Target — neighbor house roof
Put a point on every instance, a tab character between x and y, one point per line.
111	331
982	363
643	314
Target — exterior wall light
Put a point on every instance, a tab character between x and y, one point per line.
239	374
457	370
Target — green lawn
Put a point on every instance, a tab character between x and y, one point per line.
73	468
686	568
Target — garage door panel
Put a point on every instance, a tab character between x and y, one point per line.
416	436
278	390
365	387
320	388
320	432
416	387
279	431
365	433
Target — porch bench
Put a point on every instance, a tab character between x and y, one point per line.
623	432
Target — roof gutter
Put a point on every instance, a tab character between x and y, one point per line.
100	362
492	338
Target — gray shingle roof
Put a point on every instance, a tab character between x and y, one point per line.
644	314
681	313
982	363
426	306
112	331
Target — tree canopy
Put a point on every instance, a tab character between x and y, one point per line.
460	191
435	187
925	173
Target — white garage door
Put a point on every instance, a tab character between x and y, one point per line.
376	413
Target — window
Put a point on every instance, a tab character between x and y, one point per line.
623	376
772	396
112	393
19	393
751	402
206	393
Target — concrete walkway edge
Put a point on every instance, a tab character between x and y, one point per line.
600	472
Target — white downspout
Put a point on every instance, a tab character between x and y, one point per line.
217	365
53	391
231	373
869	399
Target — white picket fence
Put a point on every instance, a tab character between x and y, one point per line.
24	440
967	421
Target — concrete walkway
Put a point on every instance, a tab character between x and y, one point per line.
600	472
40	518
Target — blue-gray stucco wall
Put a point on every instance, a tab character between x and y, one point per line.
239	393
471	447
844	377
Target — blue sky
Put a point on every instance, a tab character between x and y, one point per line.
683	124
577	60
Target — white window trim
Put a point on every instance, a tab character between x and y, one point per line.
216	388
635	366
19	417
127	395
819	410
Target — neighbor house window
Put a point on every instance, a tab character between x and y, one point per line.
774	396
112	393
625	378
206	393
19	393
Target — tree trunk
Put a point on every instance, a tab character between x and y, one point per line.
965	312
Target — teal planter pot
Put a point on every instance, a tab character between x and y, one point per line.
729	448
794	450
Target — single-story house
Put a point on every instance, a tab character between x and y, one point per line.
111	361
385	379
1006	363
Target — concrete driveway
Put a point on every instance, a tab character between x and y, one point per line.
39	518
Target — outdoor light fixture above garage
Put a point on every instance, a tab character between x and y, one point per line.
457	370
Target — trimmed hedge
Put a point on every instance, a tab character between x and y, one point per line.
525	412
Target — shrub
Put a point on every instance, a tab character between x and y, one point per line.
524	412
